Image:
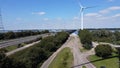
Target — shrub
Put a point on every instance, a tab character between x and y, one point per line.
103	50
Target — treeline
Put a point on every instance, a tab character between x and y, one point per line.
87	37
106	36
13	35
34	56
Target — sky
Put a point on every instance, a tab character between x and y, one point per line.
59	14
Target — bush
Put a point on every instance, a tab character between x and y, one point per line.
103	50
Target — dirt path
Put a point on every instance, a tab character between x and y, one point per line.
74	44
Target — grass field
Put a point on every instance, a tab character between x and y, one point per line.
10	48
83	67
13	47
83	50
64	59
108	63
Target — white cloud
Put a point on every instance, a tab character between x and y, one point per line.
93	14
110	9
39	13
117	15
75	18
59	18
114	8
18	19
104	11
45	19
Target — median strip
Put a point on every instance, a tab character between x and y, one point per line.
64	59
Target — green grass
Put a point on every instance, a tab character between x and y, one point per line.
83	66
64	59
108	63
13	47
10	48
83	50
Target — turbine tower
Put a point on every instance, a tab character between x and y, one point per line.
1	23
81	13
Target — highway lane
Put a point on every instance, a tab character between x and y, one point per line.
21	40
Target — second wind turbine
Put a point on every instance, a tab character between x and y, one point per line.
82	8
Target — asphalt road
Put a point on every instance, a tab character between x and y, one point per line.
20	40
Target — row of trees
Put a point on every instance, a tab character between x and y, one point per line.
86	38
12	35
34	56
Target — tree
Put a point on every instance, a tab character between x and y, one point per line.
9	35
2	56
117	35
103	36
103	50
6	62
86	38
1	36
19	45
3	50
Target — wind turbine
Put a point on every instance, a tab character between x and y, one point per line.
82	8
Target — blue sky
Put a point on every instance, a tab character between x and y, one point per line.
59	14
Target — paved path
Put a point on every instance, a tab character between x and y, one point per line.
22	48
74	44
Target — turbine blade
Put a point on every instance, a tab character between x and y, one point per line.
90	7
79	3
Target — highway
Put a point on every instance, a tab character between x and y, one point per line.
21	40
